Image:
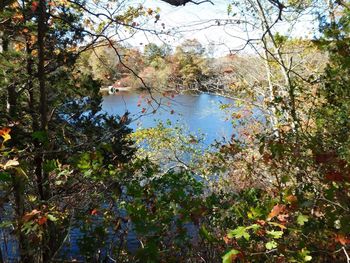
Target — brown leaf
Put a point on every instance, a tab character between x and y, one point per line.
30	215
292	198
276	210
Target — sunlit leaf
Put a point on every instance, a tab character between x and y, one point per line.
302	219
275	234
5	134
271	245
10	163
51	218
239	232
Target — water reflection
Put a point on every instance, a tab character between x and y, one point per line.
199	113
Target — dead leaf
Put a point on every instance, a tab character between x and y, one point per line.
30	215
276	210
10	163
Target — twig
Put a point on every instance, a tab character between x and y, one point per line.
346	254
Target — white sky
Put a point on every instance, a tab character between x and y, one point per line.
185	19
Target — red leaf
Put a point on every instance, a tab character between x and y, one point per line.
334	176
42	220
94	212
34	6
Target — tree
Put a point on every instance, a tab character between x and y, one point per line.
60	120
190	64
155	54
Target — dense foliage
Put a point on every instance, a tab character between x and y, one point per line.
77	184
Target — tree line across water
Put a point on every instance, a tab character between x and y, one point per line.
278	191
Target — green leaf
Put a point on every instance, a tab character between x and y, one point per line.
5	224
304	254
229	9
239	232
205	234
271	245
52	218
227	258
302	219
275	234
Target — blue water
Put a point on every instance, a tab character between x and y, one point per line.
200	114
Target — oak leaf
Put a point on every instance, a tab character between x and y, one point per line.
276	210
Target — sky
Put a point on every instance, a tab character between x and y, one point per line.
189	21
199	21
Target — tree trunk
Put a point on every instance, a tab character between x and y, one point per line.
49	238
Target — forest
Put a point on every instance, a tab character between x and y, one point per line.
79	184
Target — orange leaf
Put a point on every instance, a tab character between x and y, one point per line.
226	239
342	239
5	134
276	210
17	17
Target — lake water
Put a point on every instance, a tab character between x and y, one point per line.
198	113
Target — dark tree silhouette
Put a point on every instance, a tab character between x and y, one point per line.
184	2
